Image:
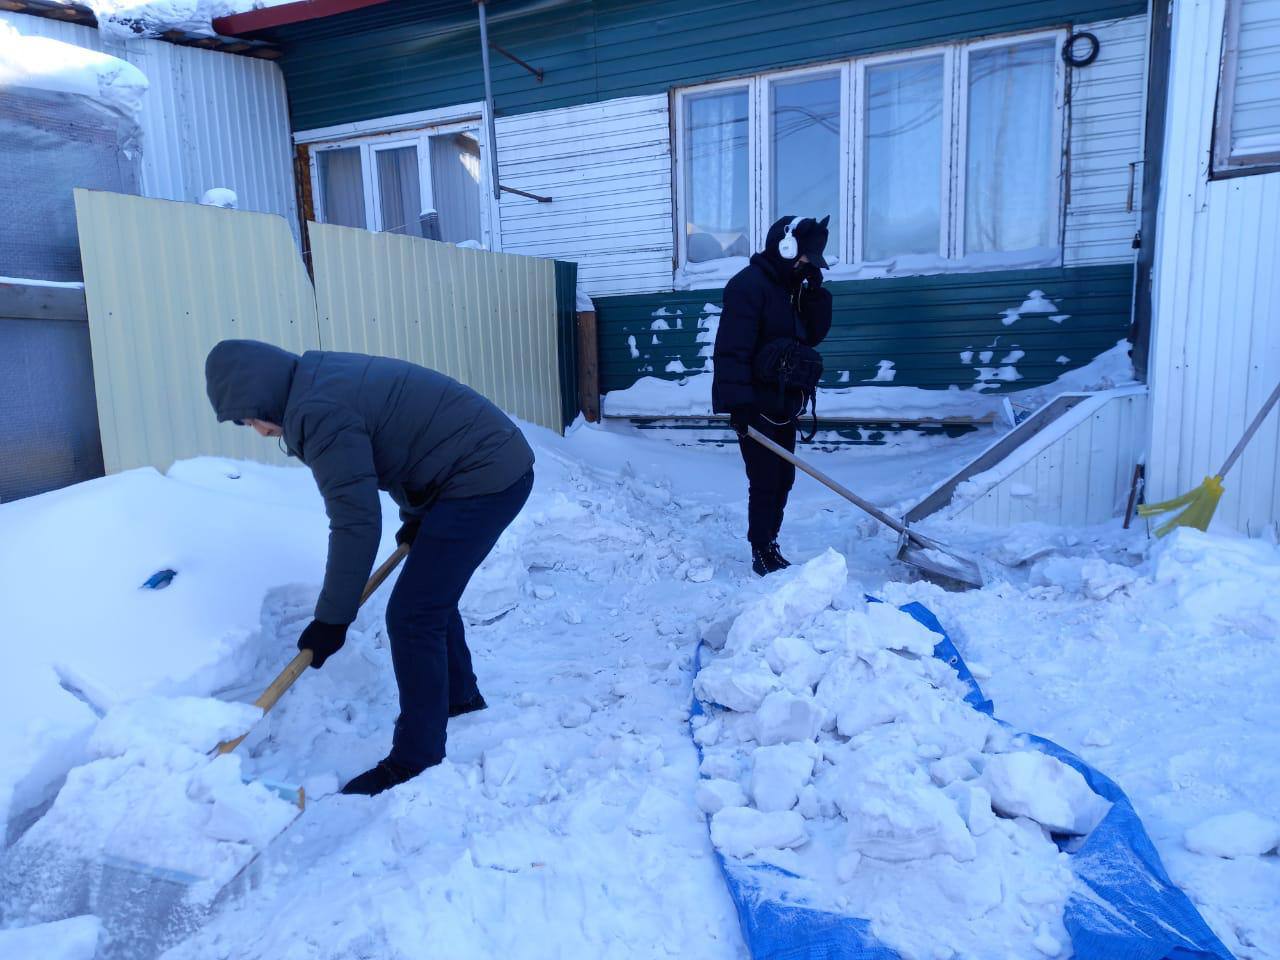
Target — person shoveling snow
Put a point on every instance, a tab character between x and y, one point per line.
459	470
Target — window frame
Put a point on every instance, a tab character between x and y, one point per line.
961	143
1223	163
681	162
948	52
388	133
951	258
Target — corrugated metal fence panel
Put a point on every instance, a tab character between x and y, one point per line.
165	282
1107	102
1081	478
394	61
607	168
934	329
208	119
1216	331
486	319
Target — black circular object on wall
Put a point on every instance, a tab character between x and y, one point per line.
1069	49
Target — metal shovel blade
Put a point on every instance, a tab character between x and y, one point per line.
940	564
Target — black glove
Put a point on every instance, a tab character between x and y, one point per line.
742	417
323	640
408	532
811	273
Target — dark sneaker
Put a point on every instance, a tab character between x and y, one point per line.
471	706
776	556
384	776
763	562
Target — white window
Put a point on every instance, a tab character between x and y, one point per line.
1247	135
422	183
942	158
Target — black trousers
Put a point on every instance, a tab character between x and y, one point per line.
769	481
428	641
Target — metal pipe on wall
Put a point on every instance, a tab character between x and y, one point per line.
488	100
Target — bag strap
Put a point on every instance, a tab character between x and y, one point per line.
811	401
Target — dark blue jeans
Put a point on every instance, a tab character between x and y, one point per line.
428	641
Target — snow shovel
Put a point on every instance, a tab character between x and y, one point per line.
937	562
285	679
1201	502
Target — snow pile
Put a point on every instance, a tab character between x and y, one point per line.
691	397
220	197
73	939
45	64
845	754
123	19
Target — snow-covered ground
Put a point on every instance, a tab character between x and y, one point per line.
568	820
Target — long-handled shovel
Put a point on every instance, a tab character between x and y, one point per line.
285	679
936	561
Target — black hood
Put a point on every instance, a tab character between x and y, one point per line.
811	239
247	380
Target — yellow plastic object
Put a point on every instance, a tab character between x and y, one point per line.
1200	503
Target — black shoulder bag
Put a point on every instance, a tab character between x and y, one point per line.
792	366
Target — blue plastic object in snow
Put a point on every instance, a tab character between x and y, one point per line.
1132	910
159	580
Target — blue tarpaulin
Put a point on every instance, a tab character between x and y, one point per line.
1128	908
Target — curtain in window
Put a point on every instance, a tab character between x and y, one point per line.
1011	172
455	185
903	152
341	186
717	207
806	152
400	191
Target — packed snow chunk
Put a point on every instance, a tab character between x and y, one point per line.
899	815
784	718
1036	303
220	197
45	64
714	795
740	683
796	662
779	773
239	812
1042	788
974	804
805	594
1101	579
1232	835
160	723
742	832
888	628
72	939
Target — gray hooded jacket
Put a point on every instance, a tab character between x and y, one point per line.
364	424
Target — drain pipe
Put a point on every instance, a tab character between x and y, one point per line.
488	100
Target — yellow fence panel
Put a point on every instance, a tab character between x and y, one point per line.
486	319
164	282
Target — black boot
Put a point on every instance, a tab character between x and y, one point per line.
763	561
471	706
776	555
384	776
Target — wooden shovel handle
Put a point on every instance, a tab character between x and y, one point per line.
285	679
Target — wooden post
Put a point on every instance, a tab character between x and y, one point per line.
588	367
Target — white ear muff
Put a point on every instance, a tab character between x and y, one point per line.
788	249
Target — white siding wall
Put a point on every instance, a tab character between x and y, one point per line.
1107	107
1216	330
607	167
209	119
1077	474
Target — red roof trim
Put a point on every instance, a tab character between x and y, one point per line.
285	14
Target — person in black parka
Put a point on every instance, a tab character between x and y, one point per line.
777	296
455	464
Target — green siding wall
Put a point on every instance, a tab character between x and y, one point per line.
406	56
922	324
